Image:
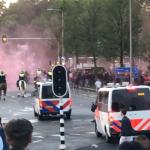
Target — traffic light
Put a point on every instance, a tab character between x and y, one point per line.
59	78
4	38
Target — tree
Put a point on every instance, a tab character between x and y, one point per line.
92	21
116	27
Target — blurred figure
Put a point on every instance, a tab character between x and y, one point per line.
18	133
3	144
49	75
98	84
37	78
144	141
3	84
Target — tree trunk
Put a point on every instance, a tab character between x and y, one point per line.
121	58
77	57
94	60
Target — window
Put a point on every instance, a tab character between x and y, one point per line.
48	93
131	99
105	101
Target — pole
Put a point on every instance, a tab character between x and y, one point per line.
58	51
130	28
62	23
62	128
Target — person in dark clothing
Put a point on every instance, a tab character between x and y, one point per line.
18	133
3	84
2	134
126	129
2	77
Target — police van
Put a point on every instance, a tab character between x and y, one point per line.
111	99
47	104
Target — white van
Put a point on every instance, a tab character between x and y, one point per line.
110	100
46	103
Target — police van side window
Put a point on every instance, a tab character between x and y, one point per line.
105	101
99	100
132	100
37	92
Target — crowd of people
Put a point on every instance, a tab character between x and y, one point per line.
87	78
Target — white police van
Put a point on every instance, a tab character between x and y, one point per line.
111	99
46	103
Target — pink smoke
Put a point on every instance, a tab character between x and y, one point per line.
27	55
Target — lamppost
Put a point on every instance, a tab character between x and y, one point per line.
62	32
130	30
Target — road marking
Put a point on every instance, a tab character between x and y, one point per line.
37	141
55	135
95	145
76	134
90	132
38	136
78	127
27	109
20	113
33	120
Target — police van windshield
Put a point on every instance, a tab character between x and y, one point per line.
131	99
48	93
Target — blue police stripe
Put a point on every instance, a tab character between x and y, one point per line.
116	125
49	103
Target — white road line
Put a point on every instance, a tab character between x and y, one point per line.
56	135
90	133
38	136
75	134
94	145
37	141
33	120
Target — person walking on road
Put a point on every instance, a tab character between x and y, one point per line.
127	131
3	85
98	84
18	133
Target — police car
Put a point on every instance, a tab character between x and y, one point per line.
47	104
111	99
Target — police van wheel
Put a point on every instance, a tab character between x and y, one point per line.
98	134
68	114
35	114
40	117
107	138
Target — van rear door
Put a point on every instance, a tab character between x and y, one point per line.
51	102
137	102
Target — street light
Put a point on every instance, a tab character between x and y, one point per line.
62	31
130	30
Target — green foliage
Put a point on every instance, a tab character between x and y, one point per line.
91	27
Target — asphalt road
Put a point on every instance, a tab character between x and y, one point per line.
79	131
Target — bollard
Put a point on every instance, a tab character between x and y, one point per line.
62	128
